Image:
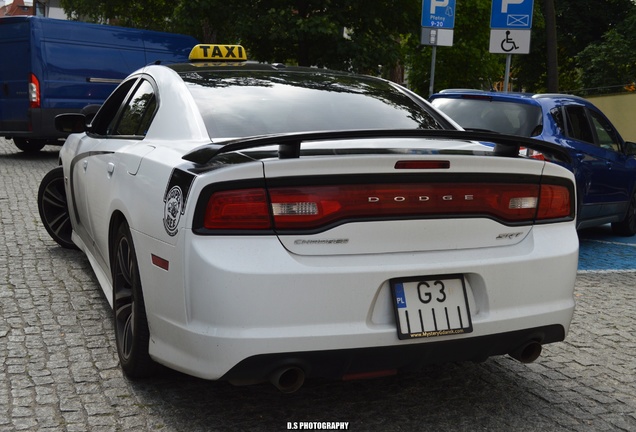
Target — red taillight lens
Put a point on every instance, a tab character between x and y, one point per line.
243	209
34	92
555	202
505	202
314	207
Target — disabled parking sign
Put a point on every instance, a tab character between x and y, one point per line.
511	24
509	41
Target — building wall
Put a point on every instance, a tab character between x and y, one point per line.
54	10
621	110
16	7
50	8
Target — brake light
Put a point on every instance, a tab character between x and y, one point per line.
555	202
34	92
314	207
423	164
244	209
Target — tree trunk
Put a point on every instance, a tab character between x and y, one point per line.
551	42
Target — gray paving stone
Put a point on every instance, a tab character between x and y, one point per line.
59	369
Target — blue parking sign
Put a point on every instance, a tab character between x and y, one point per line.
438	13
511	14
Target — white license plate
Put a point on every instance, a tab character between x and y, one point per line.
430	306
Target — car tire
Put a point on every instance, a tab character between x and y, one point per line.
627	227
132	335
53	208
29	145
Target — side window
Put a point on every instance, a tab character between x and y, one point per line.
557	115
578	126
607	136
108	112
137	113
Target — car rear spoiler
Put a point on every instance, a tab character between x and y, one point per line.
289	144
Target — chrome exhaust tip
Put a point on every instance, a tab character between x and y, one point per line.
527	353
288	379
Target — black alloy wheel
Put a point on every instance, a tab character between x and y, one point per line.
132	335
53	208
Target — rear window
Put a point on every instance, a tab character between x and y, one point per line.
246	103
484	114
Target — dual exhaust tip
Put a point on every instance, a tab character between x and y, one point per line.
290	379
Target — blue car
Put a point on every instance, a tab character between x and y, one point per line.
603	163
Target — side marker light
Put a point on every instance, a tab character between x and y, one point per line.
160	262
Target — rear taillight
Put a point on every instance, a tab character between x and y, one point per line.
34	92
315	207
555	203
243	209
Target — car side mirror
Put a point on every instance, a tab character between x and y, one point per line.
630	148
71	123
89	111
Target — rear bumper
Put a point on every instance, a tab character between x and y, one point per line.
40	126
247	306
338	364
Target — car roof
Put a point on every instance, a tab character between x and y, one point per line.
250	66
529	98
232	58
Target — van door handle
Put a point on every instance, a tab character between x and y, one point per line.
85	164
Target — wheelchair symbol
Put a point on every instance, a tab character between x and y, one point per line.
508	44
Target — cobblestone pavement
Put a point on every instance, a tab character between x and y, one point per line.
59	370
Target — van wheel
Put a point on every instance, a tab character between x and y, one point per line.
132	335
53	208
627	227
29	145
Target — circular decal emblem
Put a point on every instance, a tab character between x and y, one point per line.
172	210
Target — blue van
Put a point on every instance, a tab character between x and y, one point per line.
51	66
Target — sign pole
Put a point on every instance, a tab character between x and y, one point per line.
431	88
438	21
507	76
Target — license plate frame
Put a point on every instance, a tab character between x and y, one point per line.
431	306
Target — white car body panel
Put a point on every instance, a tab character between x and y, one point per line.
226	298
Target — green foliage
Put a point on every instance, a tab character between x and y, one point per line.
346	34
592	42
610	62
210	21
595	37
150	15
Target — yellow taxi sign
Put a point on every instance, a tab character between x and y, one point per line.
218	53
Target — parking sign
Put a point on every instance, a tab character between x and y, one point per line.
438	13
511	14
